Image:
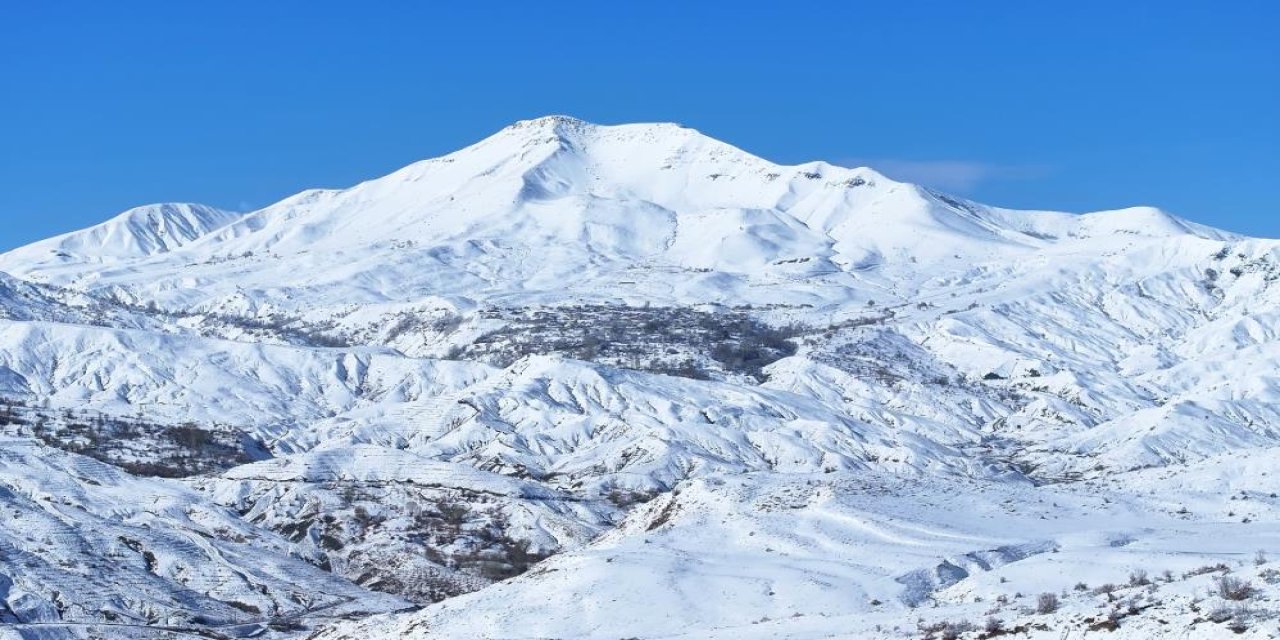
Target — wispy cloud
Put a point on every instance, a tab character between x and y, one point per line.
960	176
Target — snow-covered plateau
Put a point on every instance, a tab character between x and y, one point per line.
602	382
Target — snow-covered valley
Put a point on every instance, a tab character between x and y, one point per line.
583	381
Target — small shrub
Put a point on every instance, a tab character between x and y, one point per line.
946	630
1233	588
1220	615
1110	623
993	626
1207	569
1046	603
1131	607
1139	578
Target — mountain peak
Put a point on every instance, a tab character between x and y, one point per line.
551	121
141	231
155	212
567	128
576	129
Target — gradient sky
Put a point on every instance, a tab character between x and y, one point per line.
1076	106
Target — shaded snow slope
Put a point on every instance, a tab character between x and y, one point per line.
84	543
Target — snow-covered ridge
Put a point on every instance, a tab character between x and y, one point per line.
136	233
579	195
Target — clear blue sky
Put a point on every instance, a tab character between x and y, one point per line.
1075	105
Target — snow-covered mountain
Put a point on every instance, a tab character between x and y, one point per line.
138	232
627	358
657	213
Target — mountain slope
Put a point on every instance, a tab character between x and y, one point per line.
87	545
862	556
138	232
